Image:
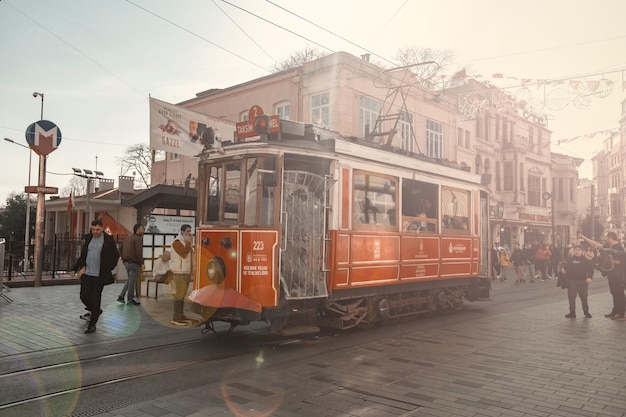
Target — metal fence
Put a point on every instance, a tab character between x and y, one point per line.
59	256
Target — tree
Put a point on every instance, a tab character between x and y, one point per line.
413	55
13	220
298	59
138	160
586	228
77	185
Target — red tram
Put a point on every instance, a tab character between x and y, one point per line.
305	228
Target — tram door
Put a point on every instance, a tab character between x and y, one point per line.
303	223
485	244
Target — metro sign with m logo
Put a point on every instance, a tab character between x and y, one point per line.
43	137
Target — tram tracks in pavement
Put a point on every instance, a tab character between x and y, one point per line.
48	382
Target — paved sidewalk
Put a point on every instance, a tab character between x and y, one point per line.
46	318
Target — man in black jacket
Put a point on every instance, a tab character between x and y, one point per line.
614	276
579	273
98	257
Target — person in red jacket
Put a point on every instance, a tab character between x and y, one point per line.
541	259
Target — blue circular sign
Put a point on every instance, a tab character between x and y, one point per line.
43	137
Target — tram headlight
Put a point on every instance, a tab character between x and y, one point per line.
216	270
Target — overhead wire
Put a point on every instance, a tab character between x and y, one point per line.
244	32
329	31
197	35
76	49
278	26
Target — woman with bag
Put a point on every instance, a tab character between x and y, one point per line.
504	264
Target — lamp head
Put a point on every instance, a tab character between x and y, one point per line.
35	94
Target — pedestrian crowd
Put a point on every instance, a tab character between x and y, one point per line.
99	256
572	268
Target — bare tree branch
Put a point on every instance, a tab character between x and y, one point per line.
298	59
77	185
414	55
137	160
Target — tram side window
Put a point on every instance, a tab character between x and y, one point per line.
264	183
420	211
455	206
214	194
374	200
223	193
231	193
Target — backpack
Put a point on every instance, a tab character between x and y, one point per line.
604	261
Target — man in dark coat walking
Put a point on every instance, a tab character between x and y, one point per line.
98	257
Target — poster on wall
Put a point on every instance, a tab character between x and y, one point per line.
164	224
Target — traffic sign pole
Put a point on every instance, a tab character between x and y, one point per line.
39	224
43	137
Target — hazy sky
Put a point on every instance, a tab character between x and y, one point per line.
97	62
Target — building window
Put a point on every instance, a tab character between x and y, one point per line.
498	130
486	126
158	155
320	109
282	110
243	116
507	184
369	109
459	137
534	191
498	176
561	189
521	176
174	157
434	139
572	190
468	139
404	131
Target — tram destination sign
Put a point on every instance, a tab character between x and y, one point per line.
246	128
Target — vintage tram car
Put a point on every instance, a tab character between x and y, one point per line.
305	228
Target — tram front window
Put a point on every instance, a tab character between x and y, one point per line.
258	183
223	193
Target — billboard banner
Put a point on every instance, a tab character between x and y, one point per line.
185	132
164	224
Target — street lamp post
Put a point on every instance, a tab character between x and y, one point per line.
27	230
39	225
35	94
89	175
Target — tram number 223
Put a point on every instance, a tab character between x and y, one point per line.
258	245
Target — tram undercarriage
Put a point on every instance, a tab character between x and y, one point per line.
297	317
366	311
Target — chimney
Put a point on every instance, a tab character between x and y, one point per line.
365	57
105	184
127	184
